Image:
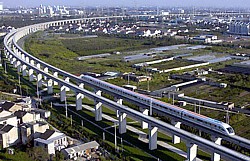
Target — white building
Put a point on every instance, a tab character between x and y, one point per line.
80	150
7	117
8	135
32	130
51	141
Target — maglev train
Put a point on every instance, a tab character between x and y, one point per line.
190	116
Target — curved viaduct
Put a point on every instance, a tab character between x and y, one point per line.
42	72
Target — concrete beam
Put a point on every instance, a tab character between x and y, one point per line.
50	86
152	137
176	139
191	151
215	156
98	107
62	93
144	125
122	123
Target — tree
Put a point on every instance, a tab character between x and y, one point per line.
38	154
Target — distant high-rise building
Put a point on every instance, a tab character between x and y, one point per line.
1	6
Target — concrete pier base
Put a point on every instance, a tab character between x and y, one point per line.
152	137
191	151
55	74
50	86
215	156
144	125
39	80
176	139
46	70
31	75
79	98
119	101
67	80
98	107
122	123
24	70
62	93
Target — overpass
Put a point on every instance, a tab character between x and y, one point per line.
30	65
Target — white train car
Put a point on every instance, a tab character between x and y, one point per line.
168	108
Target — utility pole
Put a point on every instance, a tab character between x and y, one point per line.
150	109
115	137
128	78
71	120
20	84
66	108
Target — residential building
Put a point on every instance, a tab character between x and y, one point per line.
10	106
7	117
80	150
32	130
51	141
8	135
25	117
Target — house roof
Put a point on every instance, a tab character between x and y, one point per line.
82	147
48	133
20	114
5	128
7	105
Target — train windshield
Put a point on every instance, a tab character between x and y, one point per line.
230	130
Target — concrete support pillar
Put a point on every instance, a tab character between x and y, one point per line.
46	70
38	65
14	61
19	66
152	137
191	151
23	56
24	70
31	75
144	125
79	98
119	101
55	74
215	156
176	139
62	93
50	86
32	62
39	80
67	80
27	59
122	123
98	107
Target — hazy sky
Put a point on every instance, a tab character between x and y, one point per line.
137	3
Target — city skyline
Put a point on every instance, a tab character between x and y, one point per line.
130	3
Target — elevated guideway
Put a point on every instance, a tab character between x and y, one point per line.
23	61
